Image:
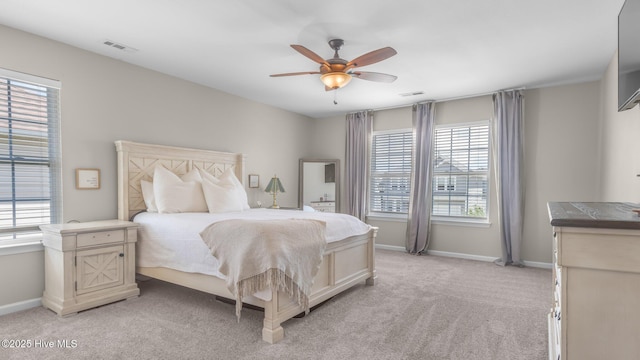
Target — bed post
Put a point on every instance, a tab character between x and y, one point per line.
123	181
272	330
372	258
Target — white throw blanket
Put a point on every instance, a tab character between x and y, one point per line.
255	255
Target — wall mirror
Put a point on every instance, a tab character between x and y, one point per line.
319	184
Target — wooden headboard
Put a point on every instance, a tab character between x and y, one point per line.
137	162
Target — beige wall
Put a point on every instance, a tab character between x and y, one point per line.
328	142
561	137
561	154
104	100
22	277
619	134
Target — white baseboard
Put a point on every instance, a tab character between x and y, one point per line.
464	256
19	306
390	247
537	264
461	255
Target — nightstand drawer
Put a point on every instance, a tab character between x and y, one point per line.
98	238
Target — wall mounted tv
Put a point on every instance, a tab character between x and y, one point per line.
629	55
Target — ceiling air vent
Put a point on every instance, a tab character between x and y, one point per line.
122	47
415	93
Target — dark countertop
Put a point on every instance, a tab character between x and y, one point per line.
610	215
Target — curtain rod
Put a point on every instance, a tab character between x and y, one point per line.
444	100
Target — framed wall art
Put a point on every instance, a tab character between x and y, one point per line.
87	179
254	181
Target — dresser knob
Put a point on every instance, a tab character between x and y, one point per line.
121	255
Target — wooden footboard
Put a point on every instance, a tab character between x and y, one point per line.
345	263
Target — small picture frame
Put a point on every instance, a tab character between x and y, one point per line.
254	181
87	179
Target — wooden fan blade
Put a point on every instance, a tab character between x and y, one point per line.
374	76
296	73
326	88
372	57
310	54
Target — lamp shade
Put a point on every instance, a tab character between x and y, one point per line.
274	185
335	80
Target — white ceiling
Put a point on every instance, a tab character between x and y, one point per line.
446	49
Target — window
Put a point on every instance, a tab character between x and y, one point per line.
390	172
29	156
461	171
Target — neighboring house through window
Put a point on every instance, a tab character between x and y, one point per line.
461	171
30	189
390	172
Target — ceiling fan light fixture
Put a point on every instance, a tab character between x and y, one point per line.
335	80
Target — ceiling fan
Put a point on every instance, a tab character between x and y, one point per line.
336	72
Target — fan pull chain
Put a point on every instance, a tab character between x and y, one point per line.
335	97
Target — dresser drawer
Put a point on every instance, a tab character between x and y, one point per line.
554	335
603	249
557	291
100	237
325	206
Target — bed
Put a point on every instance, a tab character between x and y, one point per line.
346	261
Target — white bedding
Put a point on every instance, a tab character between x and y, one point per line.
173	240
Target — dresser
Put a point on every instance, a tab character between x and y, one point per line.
88	264
596	302
324	206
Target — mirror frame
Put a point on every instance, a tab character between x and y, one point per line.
301	179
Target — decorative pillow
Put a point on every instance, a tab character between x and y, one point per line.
221	198
229	179
174	195
147	195
206	175
193	175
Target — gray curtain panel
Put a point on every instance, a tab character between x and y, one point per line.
359	127
419	219
509	162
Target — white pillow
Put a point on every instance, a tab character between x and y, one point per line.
175	195
147	195
229	179
208	176
221	198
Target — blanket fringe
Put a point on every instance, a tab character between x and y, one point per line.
275	279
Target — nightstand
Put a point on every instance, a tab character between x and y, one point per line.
88	264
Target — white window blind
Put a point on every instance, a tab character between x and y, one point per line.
390	172
461	171
29	157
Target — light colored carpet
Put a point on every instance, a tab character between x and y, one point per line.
423	307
